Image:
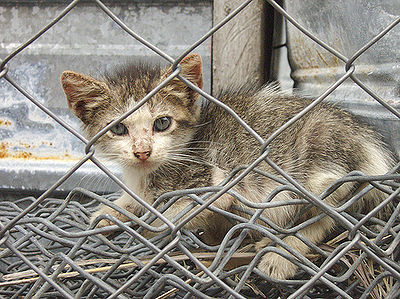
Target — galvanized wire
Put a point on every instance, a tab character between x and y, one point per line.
49	249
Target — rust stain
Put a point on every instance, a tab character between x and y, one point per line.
3	150
6	154
5	123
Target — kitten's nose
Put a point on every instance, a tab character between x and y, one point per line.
143	156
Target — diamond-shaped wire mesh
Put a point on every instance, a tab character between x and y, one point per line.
49	249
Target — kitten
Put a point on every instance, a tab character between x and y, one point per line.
170	143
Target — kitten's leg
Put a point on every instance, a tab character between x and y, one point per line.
126	202
278	267
377	162
275	265
212	225
204	219
201	220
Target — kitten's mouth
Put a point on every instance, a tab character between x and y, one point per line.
147	165
143	165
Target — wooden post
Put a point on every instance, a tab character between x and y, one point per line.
239	47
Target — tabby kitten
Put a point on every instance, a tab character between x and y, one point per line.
170	143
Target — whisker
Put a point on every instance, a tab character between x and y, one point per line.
201	125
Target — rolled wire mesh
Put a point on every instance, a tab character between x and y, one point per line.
49	248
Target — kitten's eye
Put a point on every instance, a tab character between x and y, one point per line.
119	129
162	124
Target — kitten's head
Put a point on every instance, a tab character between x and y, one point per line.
154	134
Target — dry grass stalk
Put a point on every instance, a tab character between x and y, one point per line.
205	257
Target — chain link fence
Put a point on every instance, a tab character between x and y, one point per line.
48	248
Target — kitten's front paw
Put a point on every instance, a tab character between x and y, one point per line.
106	210
264	242
276	266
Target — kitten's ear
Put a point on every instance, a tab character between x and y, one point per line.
191	70
85	94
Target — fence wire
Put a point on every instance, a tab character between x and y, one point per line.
49	249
